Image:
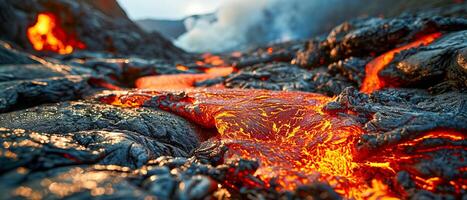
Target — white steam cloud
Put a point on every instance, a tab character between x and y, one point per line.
242	23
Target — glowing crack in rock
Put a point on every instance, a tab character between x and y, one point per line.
372	82
293	139
47	35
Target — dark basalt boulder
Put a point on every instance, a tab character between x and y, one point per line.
140	124
24	93
351	68
338	61
41	151
374	36
393	115
8	55
442	65
39	71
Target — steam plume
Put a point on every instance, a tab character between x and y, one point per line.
242	23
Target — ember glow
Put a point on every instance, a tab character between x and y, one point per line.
47	35
294	140
372	82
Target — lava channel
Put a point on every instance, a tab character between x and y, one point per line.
372	82
212	67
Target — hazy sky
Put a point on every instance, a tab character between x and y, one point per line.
168	9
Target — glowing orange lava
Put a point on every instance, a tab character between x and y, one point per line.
47	35
182	67
405	155
294	140
236	54
270	50
211	60
372	82
185	81
176	81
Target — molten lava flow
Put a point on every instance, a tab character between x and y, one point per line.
219	71
211	60
47	35
236	54
270	50
182	67
294	140
406	155
185	81
372	82
218	65
286	131
175	81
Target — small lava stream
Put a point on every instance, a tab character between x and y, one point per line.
372	82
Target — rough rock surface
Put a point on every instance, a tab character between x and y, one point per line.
38	71
9	55
441	65
283	76
67	117
42	165
373	36
398	114
23	93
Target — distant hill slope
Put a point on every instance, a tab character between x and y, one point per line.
170	29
